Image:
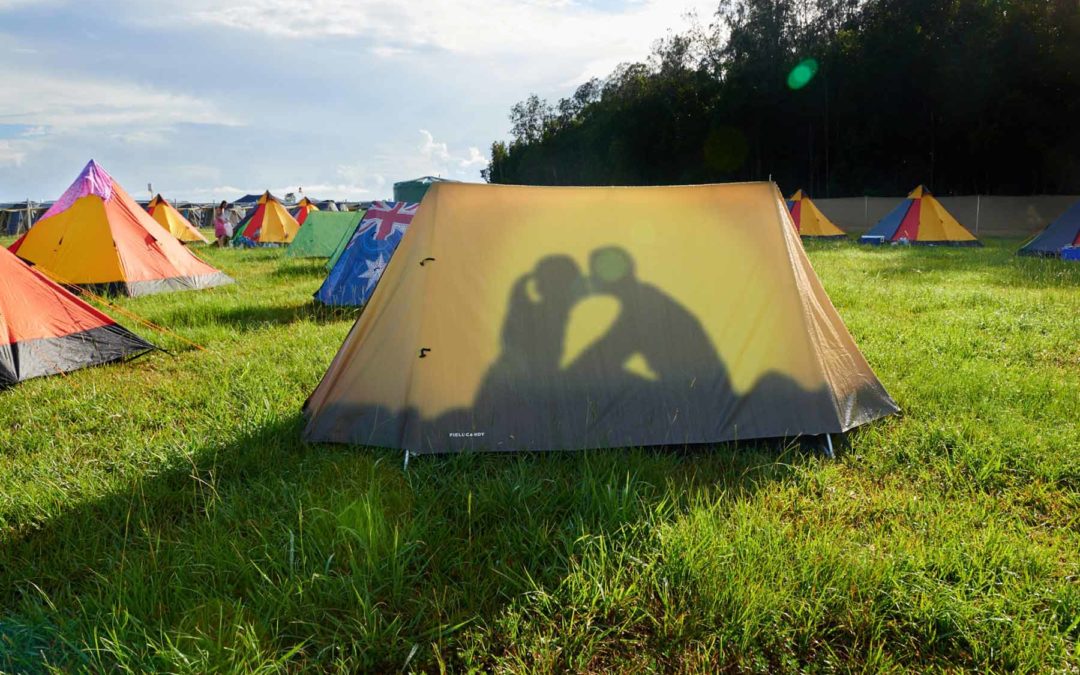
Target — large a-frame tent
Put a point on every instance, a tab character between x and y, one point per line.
96	235
920	219
302	210
355	275
45	330
1060	239
268	223
168	217
809	221
322	232
550	318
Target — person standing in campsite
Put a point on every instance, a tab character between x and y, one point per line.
222	224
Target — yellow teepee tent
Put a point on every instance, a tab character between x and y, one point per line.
809	221
169	218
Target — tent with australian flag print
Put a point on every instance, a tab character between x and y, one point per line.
354	276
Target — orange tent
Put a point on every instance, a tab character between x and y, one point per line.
96	235
45	330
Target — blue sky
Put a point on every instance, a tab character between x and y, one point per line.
211	99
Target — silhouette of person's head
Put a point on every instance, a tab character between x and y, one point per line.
557	278
611	270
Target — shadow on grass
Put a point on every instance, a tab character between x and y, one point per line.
262	550
999	262
254	317
313	268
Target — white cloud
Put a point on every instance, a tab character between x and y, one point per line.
432	151
70	104
475	159
11	153
567	31
367	179
6	5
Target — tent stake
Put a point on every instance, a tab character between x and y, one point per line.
828	447
405	467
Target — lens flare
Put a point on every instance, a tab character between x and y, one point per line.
801	74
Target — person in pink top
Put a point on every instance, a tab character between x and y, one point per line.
222	224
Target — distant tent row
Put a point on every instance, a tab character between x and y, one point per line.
17	218
97	236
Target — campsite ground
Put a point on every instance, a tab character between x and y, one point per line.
162	515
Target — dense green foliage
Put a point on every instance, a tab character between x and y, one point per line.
162	515
966	96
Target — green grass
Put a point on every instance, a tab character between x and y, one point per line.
162	514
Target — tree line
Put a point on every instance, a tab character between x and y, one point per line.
840	97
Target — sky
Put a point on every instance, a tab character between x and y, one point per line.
214	99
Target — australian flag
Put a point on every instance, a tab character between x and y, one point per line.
353	279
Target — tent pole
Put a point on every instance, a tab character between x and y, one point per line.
405	467
978	204
828	447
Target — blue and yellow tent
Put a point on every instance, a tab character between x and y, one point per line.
1061	239
920	219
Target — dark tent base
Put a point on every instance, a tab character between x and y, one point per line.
824	237
28	359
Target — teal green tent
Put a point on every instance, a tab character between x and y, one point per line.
413	191
343	240
322	230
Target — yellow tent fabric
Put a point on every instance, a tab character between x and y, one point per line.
96	235
169	218
809	220
551	318
937	224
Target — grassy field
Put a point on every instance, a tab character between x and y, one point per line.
162	514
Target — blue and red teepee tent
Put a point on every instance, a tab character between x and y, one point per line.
1061	239
922	220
